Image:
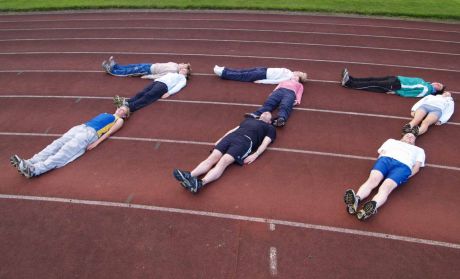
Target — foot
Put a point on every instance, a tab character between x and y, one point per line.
251	115
369	209
345	76
106	67
351	200
181	175
120	101
192	184
406	129
15	160
415	130
279	122
112	62
25	169
218	70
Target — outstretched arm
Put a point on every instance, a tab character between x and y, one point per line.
251	158
118	124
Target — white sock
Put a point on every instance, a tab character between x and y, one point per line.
218	70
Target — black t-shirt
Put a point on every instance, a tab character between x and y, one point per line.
257	130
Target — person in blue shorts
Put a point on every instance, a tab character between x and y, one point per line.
72	144
398	161
241	145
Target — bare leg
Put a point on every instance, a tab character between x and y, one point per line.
373	181
385	189
217	171
418	117
207	164
429	120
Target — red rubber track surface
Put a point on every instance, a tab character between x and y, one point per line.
45	239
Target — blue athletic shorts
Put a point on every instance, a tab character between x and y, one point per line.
235	145
431	109
392	169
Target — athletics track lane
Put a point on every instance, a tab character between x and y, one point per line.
255	194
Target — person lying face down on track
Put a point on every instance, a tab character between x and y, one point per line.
428	111
72	144
259	74
285	96
243	145
162	87
398	161
399	85
144	70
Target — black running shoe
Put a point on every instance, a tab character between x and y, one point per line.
351	201
192	184
369	209
406	129
181	175
279	122
415	130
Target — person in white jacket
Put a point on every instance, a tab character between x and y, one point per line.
432	109
259	74
145	70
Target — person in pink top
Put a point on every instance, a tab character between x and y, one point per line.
285	96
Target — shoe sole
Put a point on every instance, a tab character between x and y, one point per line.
14	161
367	211
350	198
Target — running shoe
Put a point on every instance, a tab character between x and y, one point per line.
369	209
345	76
181	175
351	201
279	122
15	160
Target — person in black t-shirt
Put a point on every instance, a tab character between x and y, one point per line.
251	136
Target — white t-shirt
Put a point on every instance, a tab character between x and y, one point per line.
405	153
173	81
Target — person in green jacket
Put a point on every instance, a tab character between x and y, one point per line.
402	86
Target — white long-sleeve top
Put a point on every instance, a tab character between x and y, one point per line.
160	69
173	81
276	75
445	104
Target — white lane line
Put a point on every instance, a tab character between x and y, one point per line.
239	218
232	41
225	55
237	29
224	104
272	227
279	149
273	261
163	19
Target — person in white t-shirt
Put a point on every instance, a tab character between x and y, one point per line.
432	109
398	161
162	87
259	74
144	70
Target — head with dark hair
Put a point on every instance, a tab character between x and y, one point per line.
438	87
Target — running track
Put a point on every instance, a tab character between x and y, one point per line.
118	213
